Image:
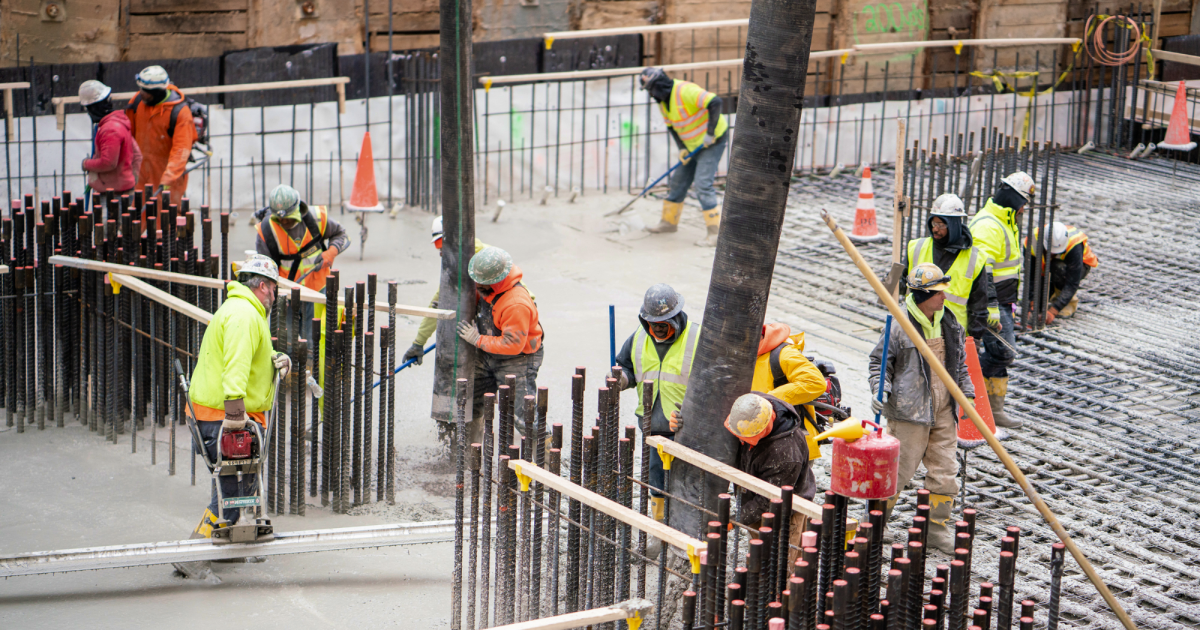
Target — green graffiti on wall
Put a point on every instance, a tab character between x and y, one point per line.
628	131
883	19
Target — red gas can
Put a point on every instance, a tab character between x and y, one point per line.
865	468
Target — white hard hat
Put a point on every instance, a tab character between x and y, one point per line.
1057	238
1021	182
437	229
948	205
153	77
261	265
93	91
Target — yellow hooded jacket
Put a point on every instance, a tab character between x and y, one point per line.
805	382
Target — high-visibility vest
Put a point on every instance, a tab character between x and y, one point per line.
963	272
1075	236
1008	265
668	377
308	250
687	113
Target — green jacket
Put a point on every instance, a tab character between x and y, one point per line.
235	355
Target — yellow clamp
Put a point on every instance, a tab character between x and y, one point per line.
1076	45
635	621
487	84
666	457
116	286
958	48
845	56
549	42
524	479
695	558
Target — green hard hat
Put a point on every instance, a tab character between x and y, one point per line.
490	266
284	200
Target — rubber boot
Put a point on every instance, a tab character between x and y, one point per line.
670	218
941	535
657	505
200	569
887	511
712	223
654	546
997	389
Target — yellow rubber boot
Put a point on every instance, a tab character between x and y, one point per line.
200	569
656	507
712	224
941	532
997	389
670	218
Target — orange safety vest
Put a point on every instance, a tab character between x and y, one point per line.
305	256
1075	236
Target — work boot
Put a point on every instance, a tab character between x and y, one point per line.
1069	309
941	535
670	218
887	511
712	225
200	569
657	508
997	389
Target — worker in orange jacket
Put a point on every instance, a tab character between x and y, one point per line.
164	130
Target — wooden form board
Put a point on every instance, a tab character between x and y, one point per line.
661	531
162	297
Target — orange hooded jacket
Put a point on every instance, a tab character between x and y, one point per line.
164	157
515	316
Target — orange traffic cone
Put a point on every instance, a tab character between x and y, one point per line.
968	435
1179	136
865	229
365	196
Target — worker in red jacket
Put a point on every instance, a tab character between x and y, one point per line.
115	159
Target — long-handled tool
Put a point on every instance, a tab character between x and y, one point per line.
654	183
887	338
397	370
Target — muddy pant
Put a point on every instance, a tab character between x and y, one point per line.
701	170
210	432
933	446
994	356
490	370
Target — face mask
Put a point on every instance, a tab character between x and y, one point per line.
97	111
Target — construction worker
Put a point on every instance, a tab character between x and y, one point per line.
783	371
917	405
233	382
163	128
1071	259
416	352
695	121
507	332
995	232
116	158
660	354
302	240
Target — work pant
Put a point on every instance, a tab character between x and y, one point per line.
210	432
701	170
490	370
933	446
657	475
994	356
1058	279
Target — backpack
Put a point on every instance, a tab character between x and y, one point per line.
199	117
833	387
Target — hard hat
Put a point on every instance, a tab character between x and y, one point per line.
437	229
490	266
261	265
750	419
650	75
283	201
948	205
1021	182
1056	240
93	91
153	78
927	277
661	303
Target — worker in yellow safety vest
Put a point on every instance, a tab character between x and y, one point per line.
694	118
1071	258
996	234
970	296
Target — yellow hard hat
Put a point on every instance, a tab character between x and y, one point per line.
928	277
750	419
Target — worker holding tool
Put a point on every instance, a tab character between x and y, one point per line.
233	382
783	371
302	240
995	232
116	158
920	411
161	123
970	296
659	354
1071	259
507	333
429	325
695	121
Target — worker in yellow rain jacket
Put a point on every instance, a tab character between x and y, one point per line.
996	234
694	118
1071	258
783	371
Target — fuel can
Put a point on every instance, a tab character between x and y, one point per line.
865	468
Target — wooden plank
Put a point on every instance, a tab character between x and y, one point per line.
422	22
308	295
649	28
729	473
1163	55
162	297
950	43
584	618
1175	24
178	46
618	72
230	22
661	531
226	89
186	6
21	85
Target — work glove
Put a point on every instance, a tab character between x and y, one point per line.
622	381
676	420
82	165
283	363
709	139
469	332
415	352
993	319
1051	314
684	156
328	256
235	415
877	404
314	388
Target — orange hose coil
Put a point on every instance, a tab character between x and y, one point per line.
1100	54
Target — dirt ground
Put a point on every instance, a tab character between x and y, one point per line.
67	488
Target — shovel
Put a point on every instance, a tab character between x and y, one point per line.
653	184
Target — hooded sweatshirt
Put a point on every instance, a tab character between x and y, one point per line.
659	424
945	252
508	318
235	355
116	158
780	459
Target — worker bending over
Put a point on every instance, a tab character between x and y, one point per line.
429	325
659	355
162	125
116	158
919	409
508	334
783	371
1071	259
995	232
695	121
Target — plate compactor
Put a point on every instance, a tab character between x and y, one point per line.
241	452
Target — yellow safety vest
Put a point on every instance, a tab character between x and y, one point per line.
963	272
1004	266
670	376
687	113
1075	236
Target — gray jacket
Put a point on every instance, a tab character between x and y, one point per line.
908	379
